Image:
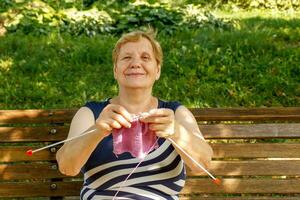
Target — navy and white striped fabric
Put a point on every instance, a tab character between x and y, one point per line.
160	176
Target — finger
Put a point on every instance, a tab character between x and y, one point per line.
114	124
157	127
122	111
157	120
161	112
104	126
121	120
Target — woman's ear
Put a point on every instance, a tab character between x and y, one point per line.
115	68
158	72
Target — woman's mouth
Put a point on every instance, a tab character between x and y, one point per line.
134	74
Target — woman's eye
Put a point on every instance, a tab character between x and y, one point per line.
126	57
146	57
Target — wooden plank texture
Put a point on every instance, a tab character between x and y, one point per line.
211	197
235	198
29	171
202	114
219	131
249	131
193	186
238	186
40	189
36	116
31	179
246	114
258	150
252	168
218	168
15	154
33	134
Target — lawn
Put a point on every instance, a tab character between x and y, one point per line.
252	62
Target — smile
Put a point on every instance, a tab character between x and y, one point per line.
135	74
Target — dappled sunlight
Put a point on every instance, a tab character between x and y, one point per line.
224	130
17	116
5	156
263	14
11	134
2	170
224	168
80	15
231	185
6	64
185	137
39	5
11	18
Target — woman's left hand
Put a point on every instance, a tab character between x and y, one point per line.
161	121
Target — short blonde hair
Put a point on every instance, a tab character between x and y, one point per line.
134	37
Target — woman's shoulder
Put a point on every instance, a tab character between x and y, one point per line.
173	104
96	106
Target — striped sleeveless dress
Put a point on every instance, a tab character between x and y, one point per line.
160	176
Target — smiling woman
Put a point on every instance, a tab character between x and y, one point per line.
136	66
137	59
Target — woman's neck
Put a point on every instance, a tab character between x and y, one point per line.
136	101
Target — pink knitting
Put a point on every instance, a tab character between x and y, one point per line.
137	140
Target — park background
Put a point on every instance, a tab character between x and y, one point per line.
219	53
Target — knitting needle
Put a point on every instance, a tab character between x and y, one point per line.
30	151
215	180
151	148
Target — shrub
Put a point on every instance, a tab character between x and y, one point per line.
40	18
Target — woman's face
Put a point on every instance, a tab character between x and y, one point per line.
136	66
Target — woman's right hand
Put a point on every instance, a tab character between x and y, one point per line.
113	116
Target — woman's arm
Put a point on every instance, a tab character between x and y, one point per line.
183	129
188	136
74	154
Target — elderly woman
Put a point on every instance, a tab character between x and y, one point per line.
137	59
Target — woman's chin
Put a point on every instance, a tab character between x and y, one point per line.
137	85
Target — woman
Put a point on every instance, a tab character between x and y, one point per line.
137	59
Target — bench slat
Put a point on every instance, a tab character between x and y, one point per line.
238	198
36	116
211	197
30	171
219	131
258	150
248	131
15	154
40	189
252	168
218	168
201	114
193	186
246	114
238	186
33	134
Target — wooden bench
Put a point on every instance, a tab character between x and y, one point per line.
256	154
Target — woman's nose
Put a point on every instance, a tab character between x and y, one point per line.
136	63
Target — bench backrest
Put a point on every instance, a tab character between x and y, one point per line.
256	154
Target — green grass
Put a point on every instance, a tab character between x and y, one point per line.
256	64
